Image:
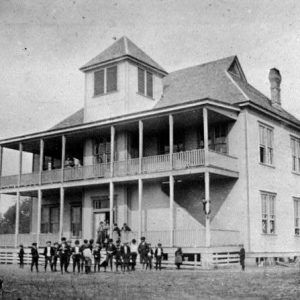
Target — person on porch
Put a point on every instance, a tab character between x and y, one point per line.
116	234
143	251
48	253
101	233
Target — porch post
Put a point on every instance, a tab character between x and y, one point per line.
111	207
140	188
38	224
171	184
141	127
17	219
61	212
1	160
171	139
20	163
41	160
63	156
207	209
112	149
205	135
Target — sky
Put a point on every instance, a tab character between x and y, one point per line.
44	43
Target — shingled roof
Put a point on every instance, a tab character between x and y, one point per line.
122	48
73	120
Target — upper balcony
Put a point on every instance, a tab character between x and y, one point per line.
189	142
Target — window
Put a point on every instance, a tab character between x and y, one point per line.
295	145
265	144
50	219
101	202
297	215
76	224
105	80
102	150
268	212
145	82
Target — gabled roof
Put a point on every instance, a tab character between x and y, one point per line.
75	119
122	48
209	80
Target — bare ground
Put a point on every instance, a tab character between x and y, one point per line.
255	283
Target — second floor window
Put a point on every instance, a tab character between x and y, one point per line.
295	145
297	215
105	80
268	212
265	144
145	82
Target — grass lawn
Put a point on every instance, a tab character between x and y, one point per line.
255	283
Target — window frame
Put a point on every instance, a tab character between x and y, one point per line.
295	153
266	144
105	80
72	206
268	212
296	201
48	223
149	93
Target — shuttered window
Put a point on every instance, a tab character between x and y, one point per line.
268	212
149	84
99	82
111	79
295	146
145	82
297	215
106	80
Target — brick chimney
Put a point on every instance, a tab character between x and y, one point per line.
275	80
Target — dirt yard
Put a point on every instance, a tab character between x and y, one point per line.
255	283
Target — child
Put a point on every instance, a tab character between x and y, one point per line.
178	258
133	253
97	257
143	251
87	254
158	256
63	256
76	255
82	247
34	257
21	256
118	256
125	254
110	252
149	257
48	253
55	256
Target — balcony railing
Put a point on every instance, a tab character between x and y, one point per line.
150	164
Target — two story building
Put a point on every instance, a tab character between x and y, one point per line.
196	158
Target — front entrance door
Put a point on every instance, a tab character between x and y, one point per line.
98	217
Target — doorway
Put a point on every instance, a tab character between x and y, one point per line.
102	216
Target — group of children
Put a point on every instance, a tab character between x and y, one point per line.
124	255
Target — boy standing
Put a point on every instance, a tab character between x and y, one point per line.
63	256
125	254
242	257
97	257
48	253
118	256
143	251
134	253
21	256
34	257
110	252
87	254
158	256
149	257
55	256
76	255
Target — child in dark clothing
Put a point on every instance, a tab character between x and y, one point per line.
158	256
97	257
76	255
149	257
55	256
34	257
21	256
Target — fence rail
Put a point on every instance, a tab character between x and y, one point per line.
150	164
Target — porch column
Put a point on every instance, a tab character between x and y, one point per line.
111	207
61	212
141	127
17	219
205	135
171	185
63	156
41	160
38	224
140	188
207	209
112	149
171	139
20	163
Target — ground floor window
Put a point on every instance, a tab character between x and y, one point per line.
268	212
297	215
76	221
50	219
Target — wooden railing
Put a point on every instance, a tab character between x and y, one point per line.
150	164
156	163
